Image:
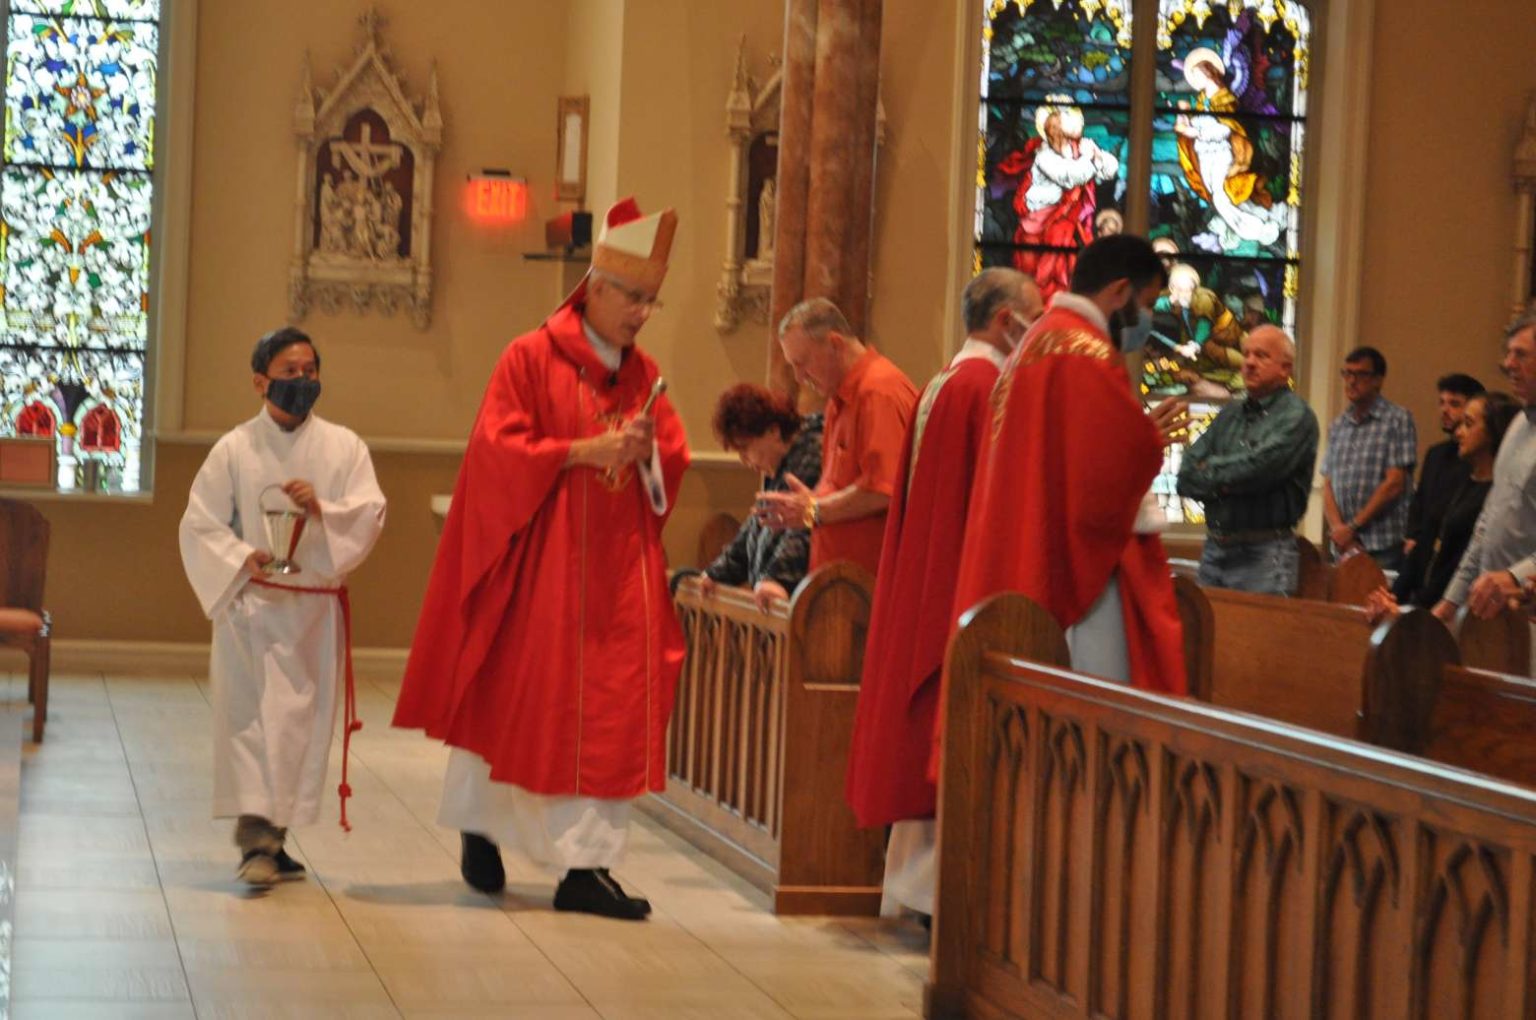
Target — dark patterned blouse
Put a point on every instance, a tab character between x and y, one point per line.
758	553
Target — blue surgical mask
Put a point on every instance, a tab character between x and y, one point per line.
294	396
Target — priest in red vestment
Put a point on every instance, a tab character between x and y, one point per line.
1062	511
547	652
888	780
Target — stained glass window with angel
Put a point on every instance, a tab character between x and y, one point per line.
1203	153
75	209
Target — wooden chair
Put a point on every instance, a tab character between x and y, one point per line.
1354	579
24	624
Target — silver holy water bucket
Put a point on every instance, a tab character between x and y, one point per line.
285	526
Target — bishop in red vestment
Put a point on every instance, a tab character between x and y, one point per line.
547	651
1062	510
888	780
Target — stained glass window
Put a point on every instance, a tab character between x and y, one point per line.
75	209
1054	125
1215	179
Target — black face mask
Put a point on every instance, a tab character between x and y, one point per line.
294	396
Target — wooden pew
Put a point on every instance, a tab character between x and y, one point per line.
1351	581
1409	690
1291	659
1502	644
758	745
1313	573
1109	852
1476	719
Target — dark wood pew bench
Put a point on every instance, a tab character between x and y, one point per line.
1110	852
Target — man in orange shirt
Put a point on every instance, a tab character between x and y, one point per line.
869	405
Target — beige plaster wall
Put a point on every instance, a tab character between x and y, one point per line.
1438	239
384	377
594	62
1450	86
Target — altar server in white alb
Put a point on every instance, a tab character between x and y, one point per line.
280	652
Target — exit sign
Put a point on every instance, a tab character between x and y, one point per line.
497	198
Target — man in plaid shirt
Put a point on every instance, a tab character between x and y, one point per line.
1372	448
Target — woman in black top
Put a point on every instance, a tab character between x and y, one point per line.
1482	428
767	433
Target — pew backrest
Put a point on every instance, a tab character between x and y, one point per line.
1199	636
1474	719
1351	581
1500	645
1313	574
1291	659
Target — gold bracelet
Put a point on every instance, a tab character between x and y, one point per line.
812	514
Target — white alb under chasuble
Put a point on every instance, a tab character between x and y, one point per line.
277	661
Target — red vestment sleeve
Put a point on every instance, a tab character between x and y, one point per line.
509	466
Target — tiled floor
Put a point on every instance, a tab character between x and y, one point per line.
126	904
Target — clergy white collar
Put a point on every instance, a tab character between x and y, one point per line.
974	349
607	353
1082	306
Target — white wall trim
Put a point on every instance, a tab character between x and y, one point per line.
176	659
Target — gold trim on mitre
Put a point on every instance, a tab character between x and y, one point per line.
637	251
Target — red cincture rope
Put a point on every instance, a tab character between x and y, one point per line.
349	720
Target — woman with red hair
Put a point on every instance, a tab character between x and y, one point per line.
769	435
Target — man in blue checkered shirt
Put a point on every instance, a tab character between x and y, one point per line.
1372	448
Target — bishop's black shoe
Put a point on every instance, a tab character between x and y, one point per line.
594	891
288	869
639	901
480	864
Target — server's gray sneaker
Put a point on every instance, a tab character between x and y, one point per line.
288	869
258	869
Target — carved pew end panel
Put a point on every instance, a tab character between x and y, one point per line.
758	745
1402	679
363	209
827	864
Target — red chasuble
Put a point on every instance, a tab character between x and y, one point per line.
1070	457
914	596
547	643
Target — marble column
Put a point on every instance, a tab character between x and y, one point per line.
856	282
794	175
826	160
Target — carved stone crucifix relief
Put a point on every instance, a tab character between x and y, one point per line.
363	211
